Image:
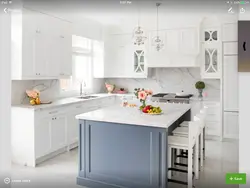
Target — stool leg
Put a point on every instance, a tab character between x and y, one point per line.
196	160
201	148
190	168
169	161
178	153
204	134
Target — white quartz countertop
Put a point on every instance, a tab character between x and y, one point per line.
69	100
133	116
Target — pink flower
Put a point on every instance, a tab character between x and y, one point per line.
142	95
149	92
32	94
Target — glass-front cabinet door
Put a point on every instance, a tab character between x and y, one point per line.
139	62
211	54
211	61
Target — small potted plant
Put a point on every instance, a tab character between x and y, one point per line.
200	85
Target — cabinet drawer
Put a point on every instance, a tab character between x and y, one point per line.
212	118
230	48
213	128
50	112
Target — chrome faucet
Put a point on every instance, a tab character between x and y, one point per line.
80	88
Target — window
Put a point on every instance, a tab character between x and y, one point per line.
84	53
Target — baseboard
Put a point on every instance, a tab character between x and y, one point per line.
72	146
51	155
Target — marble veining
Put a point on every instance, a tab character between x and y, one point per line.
170	80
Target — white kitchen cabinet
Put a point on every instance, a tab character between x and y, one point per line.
39	51
181	48
211	66
230	32
122	59
230	83
230	48
72	127
213	118
211	61
42	136
189	41
231	125
58	132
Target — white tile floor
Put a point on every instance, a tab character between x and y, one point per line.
61	171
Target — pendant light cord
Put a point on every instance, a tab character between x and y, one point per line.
157	21
158	4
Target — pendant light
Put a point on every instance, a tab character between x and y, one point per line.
139	36
157	41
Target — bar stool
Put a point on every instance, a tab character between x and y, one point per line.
189	143
183	131
185	124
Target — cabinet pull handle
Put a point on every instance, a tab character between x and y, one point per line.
62	37
244	46
54	112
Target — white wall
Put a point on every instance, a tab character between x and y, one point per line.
5	99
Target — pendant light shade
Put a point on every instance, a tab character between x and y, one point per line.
139	36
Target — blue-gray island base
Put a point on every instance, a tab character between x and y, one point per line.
113	155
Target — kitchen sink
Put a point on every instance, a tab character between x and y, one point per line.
87	97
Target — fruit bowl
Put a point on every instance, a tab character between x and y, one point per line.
151	110
153	113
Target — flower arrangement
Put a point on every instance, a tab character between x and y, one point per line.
142	95
34	97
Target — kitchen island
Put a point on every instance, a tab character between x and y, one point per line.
122	147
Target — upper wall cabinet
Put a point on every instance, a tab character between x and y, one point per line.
41	46
181	48
211	53
122	59
230	32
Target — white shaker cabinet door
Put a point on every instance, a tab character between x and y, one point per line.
231	125
230	32
189	41
230	85
42	136
58	132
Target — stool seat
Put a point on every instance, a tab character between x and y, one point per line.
184	124
178	141
181	131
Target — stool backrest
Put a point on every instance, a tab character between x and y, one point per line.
193	132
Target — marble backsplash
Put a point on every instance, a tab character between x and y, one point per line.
170	80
